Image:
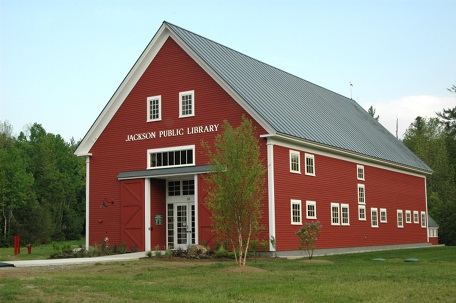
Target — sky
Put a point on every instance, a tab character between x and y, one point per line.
61	61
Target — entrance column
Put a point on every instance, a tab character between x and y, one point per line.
147	218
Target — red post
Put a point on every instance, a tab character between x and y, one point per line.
29	248
17	245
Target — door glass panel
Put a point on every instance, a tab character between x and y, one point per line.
181	221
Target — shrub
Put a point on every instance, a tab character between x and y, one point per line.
308	236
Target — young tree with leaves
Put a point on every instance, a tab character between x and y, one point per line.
236	186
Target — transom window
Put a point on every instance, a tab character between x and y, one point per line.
361	194
383	217
171	157
310	165
374	217
400	218
295	166
362	212
154	108
186	104
174	188
181	188
188	187
360	172
311	207
296	218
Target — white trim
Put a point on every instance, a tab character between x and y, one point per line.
147	216
309	156
346	206
386	215
416	217
299	204
195	192
168	149
271	194
87	193
425	197
423	219
338	212
187	93
408	216
399	211
149	100
314	204
363	207
358	168
364	194
292	154
374	210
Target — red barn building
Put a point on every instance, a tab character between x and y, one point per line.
327	159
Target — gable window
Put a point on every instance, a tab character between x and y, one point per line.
171	157
294	162
345	214
154	108
374	217
186	104
423	219
311	207
360	172
408	216
416	218
310	164
400	219
361	194
335	215
296	218
383	218
362	212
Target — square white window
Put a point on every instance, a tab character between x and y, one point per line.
295	166
310	164
335	214
360	172
374	217
400	218
153	108
383	217
416	218
311	207
423	219
345	215
362	212
296	217
408	216
186	104
361	194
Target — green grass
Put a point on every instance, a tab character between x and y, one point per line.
37	253
345	278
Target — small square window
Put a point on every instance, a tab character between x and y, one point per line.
362	212
295	166
344	209
296	218
335	215
154	108
186	104
311	207
310	164
400	218
416	218
423	219
383	217
361	194
374	217
408	216
360	172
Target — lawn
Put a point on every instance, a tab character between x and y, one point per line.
39	252
341	278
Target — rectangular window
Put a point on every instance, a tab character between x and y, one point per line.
361	194
171	157
311	207
294	162
383	218
335	215
154	108
186	104
423	219
400	219
188	187
296	212
344	209
408	216
310	164
362	212
374	217
416	218
174	188
360	172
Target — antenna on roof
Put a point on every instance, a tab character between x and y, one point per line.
351	93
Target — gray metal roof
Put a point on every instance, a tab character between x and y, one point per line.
164	172
298	108
431	222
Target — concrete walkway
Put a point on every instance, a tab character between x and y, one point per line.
72	261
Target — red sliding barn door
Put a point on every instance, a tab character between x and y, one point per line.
132	203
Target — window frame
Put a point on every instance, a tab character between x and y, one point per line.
344	206
310	157
294	153
363	187
170	149
383	211
314	204
416	217
150	112
335	205
297	203
400	223
423	219
362	207
181	95
358	168
374	215
408	216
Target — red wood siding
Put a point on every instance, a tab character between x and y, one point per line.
336	181
172	71
158	207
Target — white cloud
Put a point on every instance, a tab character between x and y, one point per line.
406	109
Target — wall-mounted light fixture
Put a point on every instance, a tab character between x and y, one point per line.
105	203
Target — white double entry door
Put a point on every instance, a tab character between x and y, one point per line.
180	214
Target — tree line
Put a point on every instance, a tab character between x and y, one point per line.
42	187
